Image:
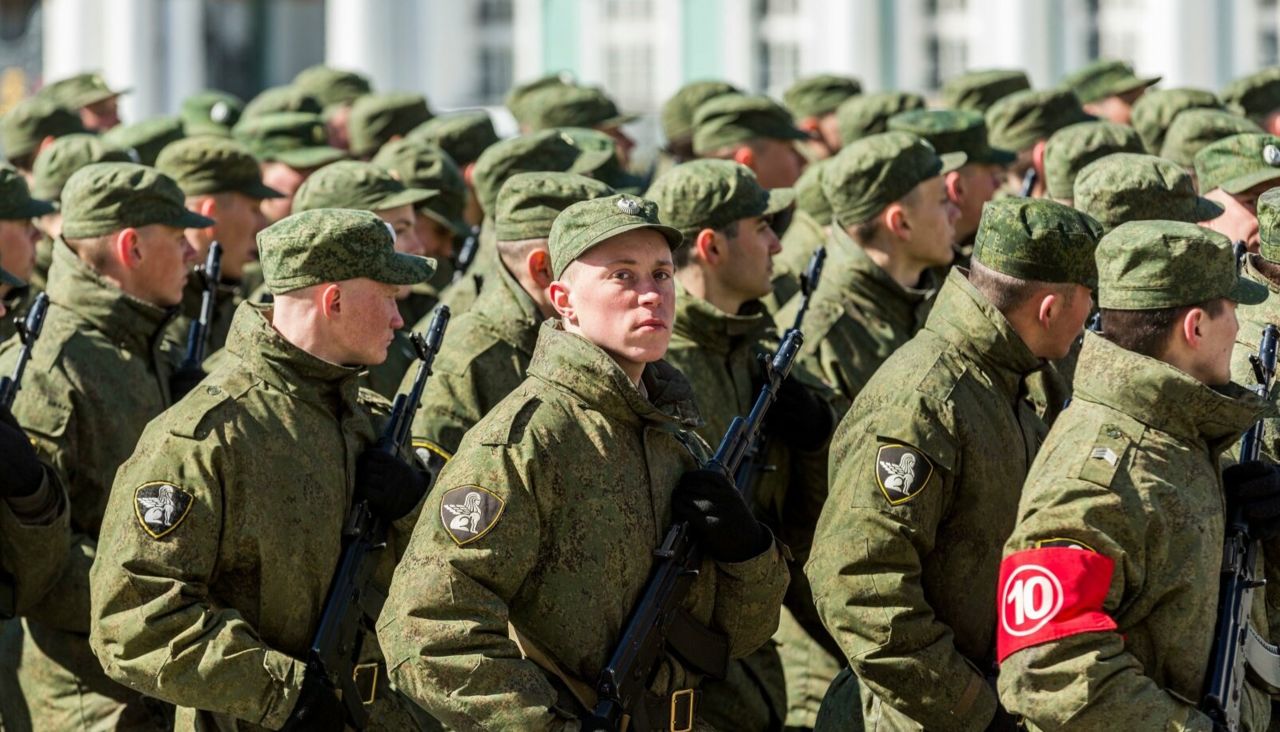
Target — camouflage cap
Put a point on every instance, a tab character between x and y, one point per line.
1133	187
809	195
1075	146
355	184
587	224
1256	95
1269	225
1151	265
1017	122
30	121
332	86
1195	128
1154	112
144	140
16	202
978	90
732	119
529	203
712	194
608	170
677	112
1237	163
69	153
206	164
277	99
814	96
548	150
464	135
869	114
871	173
80	90
296	139
427	167
335	244
210	113
1104	78
376	118
571	106
952	130
514	101
105	197
1037	239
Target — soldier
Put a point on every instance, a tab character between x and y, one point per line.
754	131
278	99
677	119
289	146
465	136
1108	589
1023	122
813	102
377	119
978	90
609	171
579	106
1128	187
516	96
905	558
31	126
18	237
1193	129
808	229
144	140
1073	147
1262	267
868	114
1232	173
336	90
97	375
210	112
1257	96
1108	89
1156	110
892	223
225	533
89	96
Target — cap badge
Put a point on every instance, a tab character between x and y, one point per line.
219	112
1271	154
629	206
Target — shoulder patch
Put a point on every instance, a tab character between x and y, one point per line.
468	512
160	507
902	472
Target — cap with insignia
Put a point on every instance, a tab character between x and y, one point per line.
144	140
733	119
1152	265
712	194
1237	163
1194	128
809	195
1020	120
869	114
16	202
1133	187
571	106
1256	95
548	150
871	173
332	86
1104	78
105	197
24	127
69	153
677	112
1037	239
529	203
609	170
1269	225
587	224
376	118
205	165
951	130
464	135
80	90
210	112
276	99
1075	146
355	184
427	167
978	90
514	101
335	244
296	139
814	96
1154	112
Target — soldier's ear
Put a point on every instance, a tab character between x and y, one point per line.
704	245
558	293
745	156
124	248
329	299
894	219
954	183
1037	157
538	264
468	173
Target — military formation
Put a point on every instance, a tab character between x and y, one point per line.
1020	333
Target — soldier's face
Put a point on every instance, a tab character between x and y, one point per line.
285	179
1239	222
748	268
931	218
777	164
364	321
100	116
18	239
1218	339
162	259
239	219
436	238
975	184
1066	320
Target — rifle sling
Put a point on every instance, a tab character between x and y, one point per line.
581	690
702	649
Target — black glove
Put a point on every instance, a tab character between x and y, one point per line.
391	486
20	469
718	516
1253	488
183	381
318	707
799	417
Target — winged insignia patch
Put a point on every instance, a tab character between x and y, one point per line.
902	472
469	512
160	507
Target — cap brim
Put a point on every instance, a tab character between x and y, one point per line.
1137	84
952	162
34	208
190	220
620	120
1205	210
1245	182
995	156
407	197
458	226
104	96
780	199
310	157
590	160
10	279
260	191
1248	292
406	269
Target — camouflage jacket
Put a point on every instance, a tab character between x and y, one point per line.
228	299
34	548
1252	319
801	239
462	294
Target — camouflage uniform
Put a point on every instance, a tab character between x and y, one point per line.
144	140
806	232
24	127
1255	96
868	114
978	90
210	112
1129	187
1073	147
1155	111
1193	129
376	118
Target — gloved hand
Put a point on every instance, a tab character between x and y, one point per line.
318	706
1254	489
20	469
718	516
183	381
392	486
799	417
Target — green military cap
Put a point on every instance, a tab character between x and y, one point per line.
1194	128
869	174
1256	95
609	170
30	121
514	101
80	90
548	150
105	197
206	164
529	203
1154	112
296	139
732	119
15	199
1017	122
869	114
952	130
144	140
677	112
210	112
1269	225
427	167
1037	239
278	99
335	244
1104	78
1132	187
355	184
978	90
571	106
332	86
1075	146
69	153
809	195
711	194
376	118
1152	265
814	96
464	135
1237	163
588	223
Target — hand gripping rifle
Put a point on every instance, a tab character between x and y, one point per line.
1238	650
29	329
198	334
353	603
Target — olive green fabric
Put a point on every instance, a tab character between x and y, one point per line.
210	112
868	114
678	111
548	150
952	131
24	127
105	197
586	224
814	96
561	105
464	135
809	196
1237	163
296	139
1037	239
332	86
1193	129
514	101
144	140
67	154
978	90
529	203
712	194
80	90
355	184
870	173
205	165
1269	225
1104	78
1020	120
1130	187
34	543
734	119
1075	146
1254	96
424	166
1154	112
279	99
376	118
609	169
16	202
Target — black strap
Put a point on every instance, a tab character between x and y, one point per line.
702	649
8	596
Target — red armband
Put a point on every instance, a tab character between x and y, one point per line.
1051	593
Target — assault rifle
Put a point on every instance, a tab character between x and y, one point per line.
198	333
1028	182
29	329
353	603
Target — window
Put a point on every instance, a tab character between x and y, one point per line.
493	11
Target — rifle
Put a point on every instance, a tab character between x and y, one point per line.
1028	182
658	622
198	334
466	254
1237	648
353	603
29	329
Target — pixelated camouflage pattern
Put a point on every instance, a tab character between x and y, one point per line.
80	90
296	139
608	169
868	114
1268	208
464	135
210	112
585	224
1037	239
516	95
869	174
1239	162
34	552
280	100
570	105
332	86
809	196
978	90
1129	187
355	184
67	154
1155	110
376	118
104	197
814	96
712	194
529	202
1075	146
677	112
1194	128
421	165
30	121
144	140
951	131
732	119
1020	120
1255	95
1104	78
545	151
15	199
204	165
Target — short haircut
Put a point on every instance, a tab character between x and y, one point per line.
514	253
1008	293
95	250
680	256
1147	332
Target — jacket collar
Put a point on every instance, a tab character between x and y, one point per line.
126	320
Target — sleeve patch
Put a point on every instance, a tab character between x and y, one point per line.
901	472
1050	593
468	512
160	507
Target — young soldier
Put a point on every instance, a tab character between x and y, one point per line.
1232	173
753	130
1108	89
1023	122
812	101
18	238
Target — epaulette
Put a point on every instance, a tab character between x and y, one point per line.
1107	451
191	416
508	426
